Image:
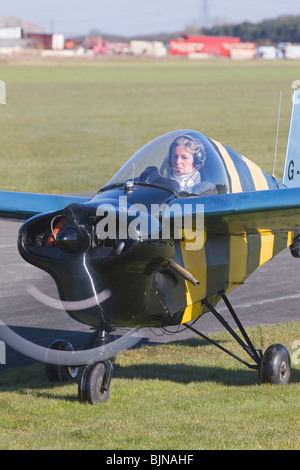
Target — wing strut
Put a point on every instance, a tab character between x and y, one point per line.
256	355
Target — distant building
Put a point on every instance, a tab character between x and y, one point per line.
268	53
14	32
289	50
8	24
212	45
243	51
119	48
47	41
23	34
216	45
148	48
97	45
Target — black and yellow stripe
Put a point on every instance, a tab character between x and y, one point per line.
227	259
244	175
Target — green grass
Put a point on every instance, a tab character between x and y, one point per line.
180	396
68	127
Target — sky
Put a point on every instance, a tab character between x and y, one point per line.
136	17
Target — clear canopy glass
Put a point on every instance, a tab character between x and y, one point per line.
154	165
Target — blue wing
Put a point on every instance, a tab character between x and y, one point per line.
22	206
246	212
275	210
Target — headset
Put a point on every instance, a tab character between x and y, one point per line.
199	155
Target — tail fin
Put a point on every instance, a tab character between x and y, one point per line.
291	173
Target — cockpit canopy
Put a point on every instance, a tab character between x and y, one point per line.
153	165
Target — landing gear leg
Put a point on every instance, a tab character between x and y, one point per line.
94	379
274	366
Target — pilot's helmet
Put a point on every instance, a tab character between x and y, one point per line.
193	145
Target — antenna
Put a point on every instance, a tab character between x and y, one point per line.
278	119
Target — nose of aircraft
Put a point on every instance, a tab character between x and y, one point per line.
71	240
83	265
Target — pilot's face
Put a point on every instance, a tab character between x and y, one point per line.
182	161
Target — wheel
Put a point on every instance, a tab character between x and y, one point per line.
275	367
94	382
60	373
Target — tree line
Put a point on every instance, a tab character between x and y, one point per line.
281	29
267	32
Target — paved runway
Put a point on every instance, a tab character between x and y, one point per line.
270	296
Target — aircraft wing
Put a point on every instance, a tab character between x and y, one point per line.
270	210
275	210
22	206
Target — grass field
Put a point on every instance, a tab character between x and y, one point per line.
181	396
67	127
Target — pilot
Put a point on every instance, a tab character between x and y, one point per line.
185	159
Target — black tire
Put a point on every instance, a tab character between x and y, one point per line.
82	383
60	373
275	367
90	384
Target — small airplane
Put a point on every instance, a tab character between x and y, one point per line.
184	222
